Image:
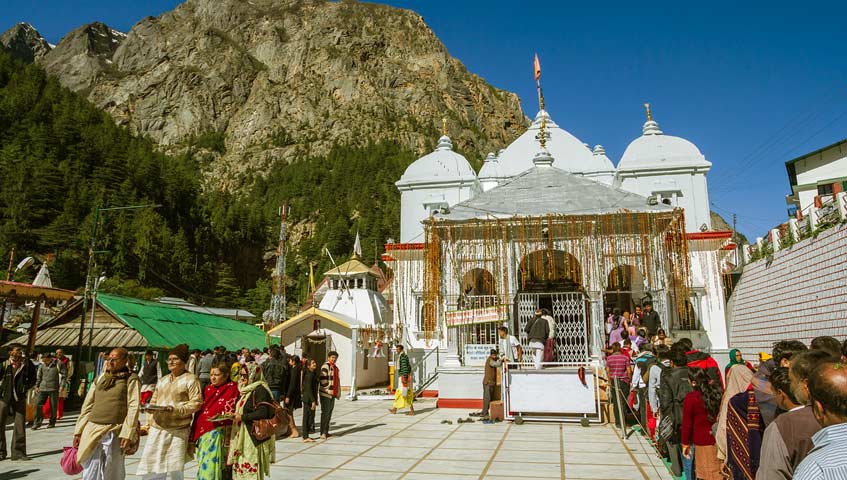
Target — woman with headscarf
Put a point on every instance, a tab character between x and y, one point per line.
738	379
251	458
176	398
209	432
735	358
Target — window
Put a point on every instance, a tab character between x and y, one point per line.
825	189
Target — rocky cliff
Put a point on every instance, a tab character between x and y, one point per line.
24	42
267	80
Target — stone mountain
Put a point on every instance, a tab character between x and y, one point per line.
276	80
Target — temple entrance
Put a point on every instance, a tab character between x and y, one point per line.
315	346
569	310
551	279
624	289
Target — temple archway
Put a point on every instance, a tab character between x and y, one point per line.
624	288
549	271
478	289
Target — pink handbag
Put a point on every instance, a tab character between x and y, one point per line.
69	463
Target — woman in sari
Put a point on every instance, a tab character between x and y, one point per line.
212	437
251	458
738	378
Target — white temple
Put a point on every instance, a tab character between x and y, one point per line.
662	170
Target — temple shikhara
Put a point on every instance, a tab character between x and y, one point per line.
550	223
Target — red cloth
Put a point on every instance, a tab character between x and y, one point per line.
698	359
696	426
651	422
145	397
548	350
336	382
60	408
216	400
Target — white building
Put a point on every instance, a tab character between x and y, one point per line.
352	319
820	173
665	170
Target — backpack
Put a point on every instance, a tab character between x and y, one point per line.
645	363
673	388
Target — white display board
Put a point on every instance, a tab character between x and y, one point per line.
476	355
551	391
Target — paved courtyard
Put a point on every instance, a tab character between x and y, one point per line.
372	444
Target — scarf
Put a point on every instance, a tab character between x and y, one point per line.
108	379
217	400
744	436
737	380
732	361
243	455
336	385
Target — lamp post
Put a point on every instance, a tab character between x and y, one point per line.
91	252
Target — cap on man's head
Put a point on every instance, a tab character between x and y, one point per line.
493	351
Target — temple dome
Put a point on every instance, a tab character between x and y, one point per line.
442	165
603	160
491	168
654	150
570	153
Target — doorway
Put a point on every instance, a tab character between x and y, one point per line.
315	347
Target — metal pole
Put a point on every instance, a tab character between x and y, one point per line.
621	418
78	359
93	311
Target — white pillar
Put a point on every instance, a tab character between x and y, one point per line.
745	254
841	203
813	217
354	362
794	229
775	240
759	244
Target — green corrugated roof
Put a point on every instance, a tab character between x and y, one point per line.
165	326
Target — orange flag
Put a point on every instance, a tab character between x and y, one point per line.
537	68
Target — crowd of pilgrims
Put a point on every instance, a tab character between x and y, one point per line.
784	417
204	407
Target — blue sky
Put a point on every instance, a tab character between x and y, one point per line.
752	85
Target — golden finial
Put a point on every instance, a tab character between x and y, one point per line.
443	126
649	114
542	131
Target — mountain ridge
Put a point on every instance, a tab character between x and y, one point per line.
254	83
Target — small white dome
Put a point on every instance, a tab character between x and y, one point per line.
441	165
654	150
570	153
600	155
491	168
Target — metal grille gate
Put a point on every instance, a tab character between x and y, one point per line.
572	330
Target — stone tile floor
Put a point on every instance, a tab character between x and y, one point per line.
370	443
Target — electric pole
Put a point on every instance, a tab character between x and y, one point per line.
278	299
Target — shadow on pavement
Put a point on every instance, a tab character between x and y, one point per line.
359	429
18	474
41	454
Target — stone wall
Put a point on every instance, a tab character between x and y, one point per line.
800	293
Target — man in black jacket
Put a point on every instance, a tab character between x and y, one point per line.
650	320
673	388
537	330
16	377
276	373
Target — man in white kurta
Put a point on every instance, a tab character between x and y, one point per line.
107	427
166	450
